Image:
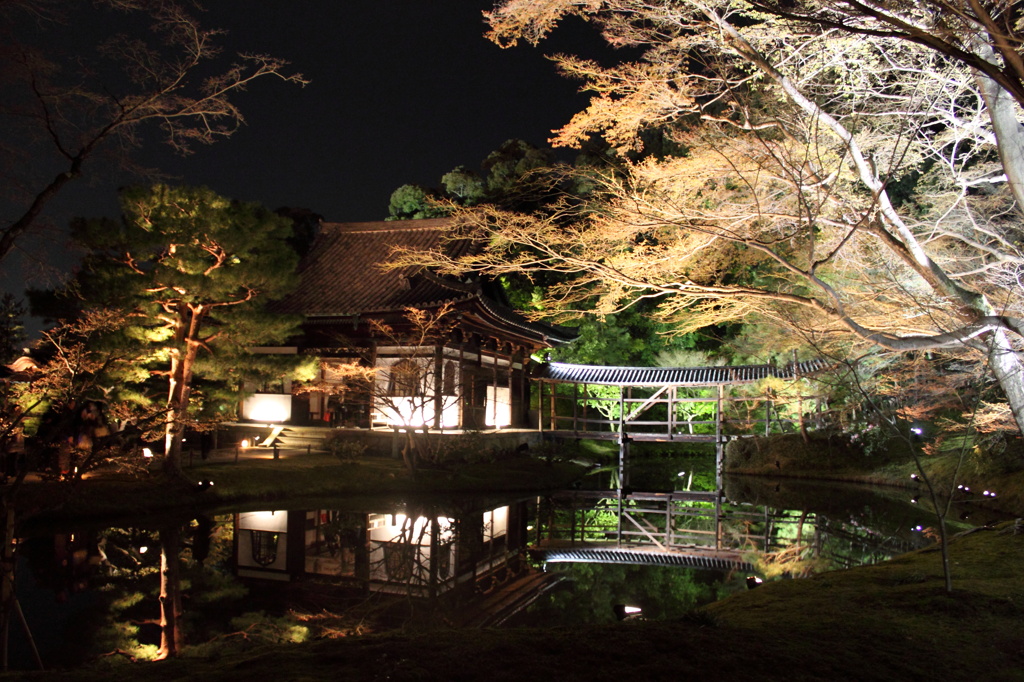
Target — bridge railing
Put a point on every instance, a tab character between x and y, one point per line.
672	414
669	522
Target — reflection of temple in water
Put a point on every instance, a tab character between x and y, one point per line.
422	553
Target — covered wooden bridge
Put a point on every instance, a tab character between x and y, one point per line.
665	403
670	404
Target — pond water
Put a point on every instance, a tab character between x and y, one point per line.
303	571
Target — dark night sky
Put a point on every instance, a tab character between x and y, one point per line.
402	91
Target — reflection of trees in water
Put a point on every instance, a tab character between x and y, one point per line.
120	568
803	543
334	542
417	556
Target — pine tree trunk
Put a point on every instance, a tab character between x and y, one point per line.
171	637
180	388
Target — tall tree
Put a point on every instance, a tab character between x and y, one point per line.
512	176
194	271
67	100
845	187
12	328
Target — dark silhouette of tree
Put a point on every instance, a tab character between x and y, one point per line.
12	328
68	100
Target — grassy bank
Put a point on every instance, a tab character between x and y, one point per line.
886	622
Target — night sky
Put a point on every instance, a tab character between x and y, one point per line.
401	91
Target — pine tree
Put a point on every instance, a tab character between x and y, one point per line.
194	272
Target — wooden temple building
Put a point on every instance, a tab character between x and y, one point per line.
467	371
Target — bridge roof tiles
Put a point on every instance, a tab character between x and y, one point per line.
694	558
558	372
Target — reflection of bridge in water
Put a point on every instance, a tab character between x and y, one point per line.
681	528
696	529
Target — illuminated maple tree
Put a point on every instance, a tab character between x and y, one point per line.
850	188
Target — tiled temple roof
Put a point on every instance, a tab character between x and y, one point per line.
558	372
343	274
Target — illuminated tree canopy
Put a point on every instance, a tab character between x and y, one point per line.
193	271
852	187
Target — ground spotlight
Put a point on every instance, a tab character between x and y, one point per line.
623	612
753	581
204	484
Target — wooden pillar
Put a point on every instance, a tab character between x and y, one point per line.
460	385
551	405
624	441
540	406
718	518
618	529
622	411
719	444
494	390
367	416
438	385
672	395
435	549
513	418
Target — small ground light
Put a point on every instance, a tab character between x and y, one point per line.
753	581
204	485
244	444
918	528
915	477
146	452
623	612
915	498
917	430
143	549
